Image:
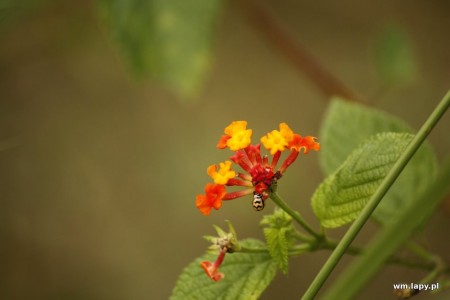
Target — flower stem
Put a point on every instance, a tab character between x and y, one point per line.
387	182
295	215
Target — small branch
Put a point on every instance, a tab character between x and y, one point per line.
244	249
394	260
355	251
419	251
303	237
295	53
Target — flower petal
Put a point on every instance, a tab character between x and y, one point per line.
307	143
212	199
236	137
235	127
286	132
211	271
222	144
310	143
223	174
202	204
240	140
274	141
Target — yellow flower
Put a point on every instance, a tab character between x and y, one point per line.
274	141
236	136
240	140
223	175
235	127
286	132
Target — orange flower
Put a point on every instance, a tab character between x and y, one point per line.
310	143
212	269
222	144
307	143
212	198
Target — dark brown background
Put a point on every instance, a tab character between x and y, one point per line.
98	173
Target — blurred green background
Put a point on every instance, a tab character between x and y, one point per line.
99	171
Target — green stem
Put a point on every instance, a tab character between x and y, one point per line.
432	275
395	260
252	250
387	182
303	237
419	251
295	215
331	245
293	251
300	249
406	221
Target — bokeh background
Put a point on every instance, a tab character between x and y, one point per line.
99	171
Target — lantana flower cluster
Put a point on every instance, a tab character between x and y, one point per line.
225	242
259	172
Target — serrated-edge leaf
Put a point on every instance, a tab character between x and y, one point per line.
417	176
278	219
389	239
247	275
342	196
278	246
347	125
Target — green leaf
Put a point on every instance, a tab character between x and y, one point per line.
417	176
167	39
347	125
278	246
278	219
343	194
247	275
390	238
393	56
278	234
